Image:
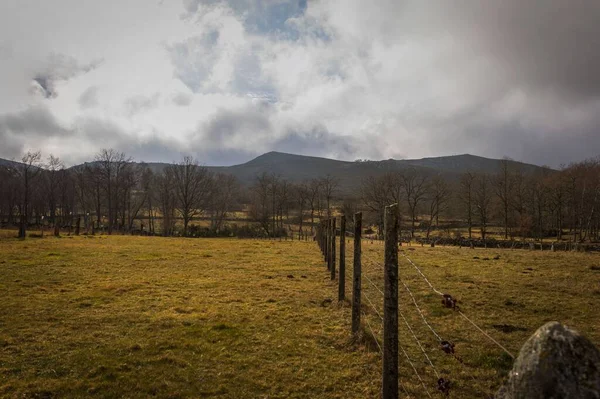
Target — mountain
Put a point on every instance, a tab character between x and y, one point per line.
6	162
300	167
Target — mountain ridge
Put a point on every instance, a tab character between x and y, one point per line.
296	168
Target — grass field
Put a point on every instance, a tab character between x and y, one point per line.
127	316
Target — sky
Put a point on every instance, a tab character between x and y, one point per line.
228	80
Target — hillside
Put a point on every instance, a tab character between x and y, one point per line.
300	167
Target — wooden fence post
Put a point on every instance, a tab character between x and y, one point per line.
333	232
342	282
357	270
326	241
390	305
78	225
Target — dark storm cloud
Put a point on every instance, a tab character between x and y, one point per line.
317	142
34	121
552	45
33	124
59	67
103	133
525	72
227	125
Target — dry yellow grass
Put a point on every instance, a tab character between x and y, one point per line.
509	298
147	316
128	316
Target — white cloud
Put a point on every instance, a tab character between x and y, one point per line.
226	80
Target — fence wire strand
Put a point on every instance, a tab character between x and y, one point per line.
372	332
459	311
486	334
422	275
419	344
373	284
415	370
373	306
420	311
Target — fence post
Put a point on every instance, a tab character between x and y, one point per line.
390	308
333	232
326	242
357	271
329	224
342	282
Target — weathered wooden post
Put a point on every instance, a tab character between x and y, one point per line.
333	232
78	225
326	241
342	282
390	305
329	244
56	229
357	271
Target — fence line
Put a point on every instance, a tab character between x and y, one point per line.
421	312
386	298
453	303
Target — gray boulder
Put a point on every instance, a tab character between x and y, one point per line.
555	362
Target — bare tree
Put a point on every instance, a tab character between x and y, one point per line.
51	183
466	197
502	183
438	193
28	170
302	195
110	167
314	188
193	187
260	209
223	198
415	187
166	199
9	193
376	193
482	202
329	186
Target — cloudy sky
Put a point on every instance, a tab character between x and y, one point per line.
226	80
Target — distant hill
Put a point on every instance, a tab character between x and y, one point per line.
297	168
6	162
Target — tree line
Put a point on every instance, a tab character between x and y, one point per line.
113	193
546	203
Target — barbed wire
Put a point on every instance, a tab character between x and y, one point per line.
415	370
422	275
373	284
419	344
488	336
372	332
459	311
372	306
420	311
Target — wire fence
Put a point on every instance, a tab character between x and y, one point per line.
429	359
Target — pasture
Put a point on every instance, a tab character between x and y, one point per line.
125	316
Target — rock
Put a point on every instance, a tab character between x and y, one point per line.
555	362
